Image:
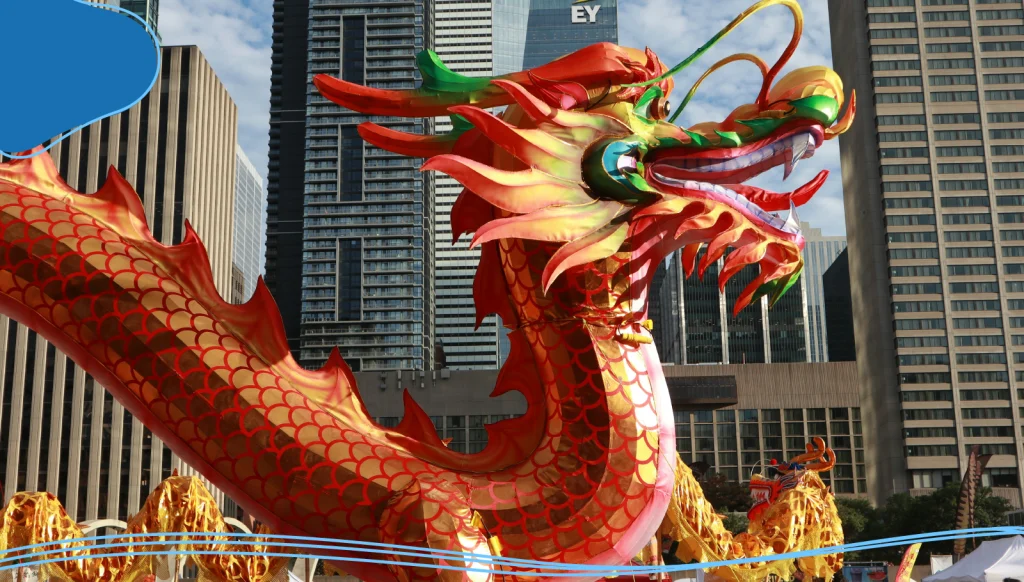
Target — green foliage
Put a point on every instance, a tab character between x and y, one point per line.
904	515
736	522
861	522
725	495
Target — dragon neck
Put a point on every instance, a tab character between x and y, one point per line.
608	421
606	292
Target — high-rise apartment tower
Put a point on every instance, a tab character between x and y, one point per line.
933	173
367	242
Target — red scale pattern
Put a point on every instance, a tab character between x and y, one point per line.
296	448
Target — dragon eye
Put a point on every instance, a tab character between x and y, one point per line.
628	162
660	109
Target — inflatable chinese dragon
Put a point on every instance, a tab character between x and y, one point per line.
575	193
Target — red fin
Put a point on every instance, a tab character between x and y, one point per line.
408	144
37	172
536	108
490	292
469	213
566	95
689	258
508	441
416	424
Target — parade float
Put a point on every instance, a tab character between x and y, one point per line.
575	193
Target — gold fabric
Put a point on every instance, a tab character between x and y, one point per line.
179	504
804	517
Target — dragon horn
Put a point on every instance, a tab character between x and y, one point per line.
594	68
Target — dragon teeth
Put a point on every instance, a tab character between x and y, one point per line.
791	224
796	150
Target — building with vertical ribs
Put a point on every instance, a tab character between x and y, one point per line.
463	34
60	431
933	172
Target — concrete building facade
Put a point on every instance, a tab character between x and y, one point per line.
735	418
60	431
932	174
819	254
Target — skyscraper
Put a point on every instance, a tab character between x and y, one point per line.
693	321
510	19
819	253
367	242
286	174
60	431
147	10
464	36
558	27
250	223
934	198
842	345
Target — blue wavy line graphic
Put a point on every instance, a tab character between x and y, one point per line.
537	568
156	74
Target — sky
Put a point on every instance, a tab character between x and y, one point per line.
234	35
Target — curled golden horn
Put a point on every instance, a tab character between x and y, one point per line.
818	457
827	461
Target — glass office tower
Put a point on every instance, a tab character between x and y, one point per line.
693	321
367	239
819	253
552	31
147	10
250	224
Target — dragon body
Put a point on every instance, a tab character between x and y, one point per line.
575	193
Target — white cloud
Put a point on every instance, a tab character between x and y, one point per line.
234	35
674	29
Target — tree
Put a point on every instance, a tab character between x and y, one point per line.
725	495
905	515
861	522
736	523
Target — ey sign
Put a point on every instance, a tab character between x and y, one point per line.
585	14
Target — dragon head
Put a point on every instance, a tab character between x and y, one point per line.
587	156
781	477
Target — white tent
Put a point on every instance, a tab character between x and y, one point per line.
993	561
